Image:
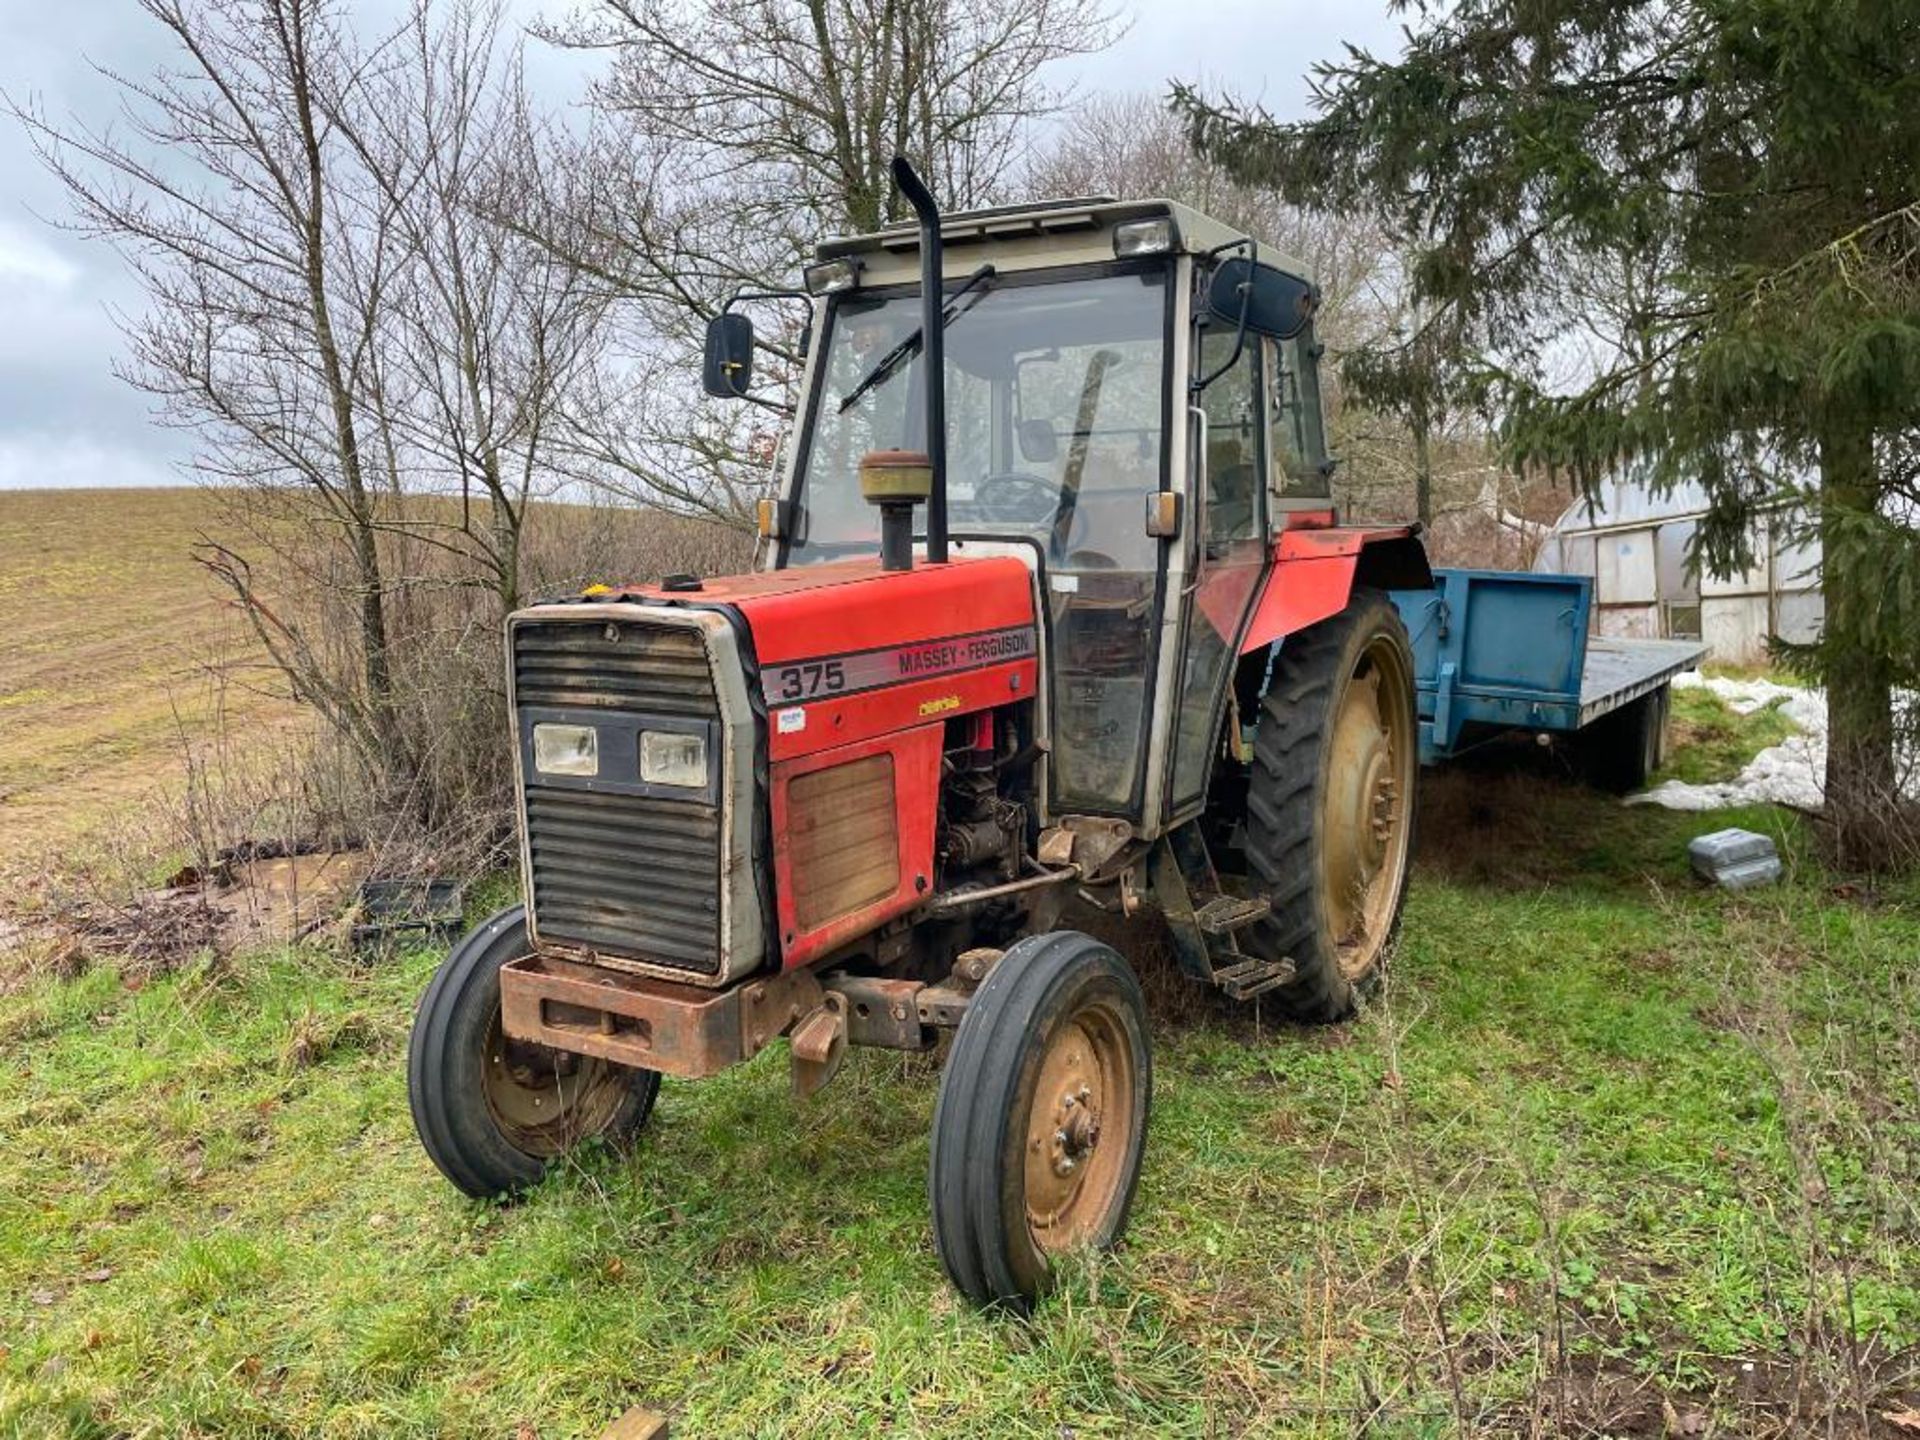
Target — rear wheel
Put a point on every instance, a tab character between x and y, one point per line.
1330	804
1623	749
1042	1117
492	1112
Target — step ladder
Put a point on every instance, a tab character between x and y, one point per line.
1253	977
1204	919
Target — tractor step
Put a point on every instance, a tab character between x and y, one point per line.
1254	977
1225	914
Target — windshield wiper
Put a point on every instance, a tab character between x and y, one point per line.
910	345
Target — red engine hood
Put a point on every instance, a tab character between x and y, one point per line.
850	606
848	652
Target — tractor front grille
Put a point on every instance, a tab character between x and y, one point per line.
605	665
626	875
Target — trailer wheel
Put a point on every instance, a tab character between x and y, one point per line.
492	1112
1330	804
1622	750
1042	1117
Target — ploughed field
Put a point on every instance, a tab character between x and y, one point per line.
1609	1154
118	658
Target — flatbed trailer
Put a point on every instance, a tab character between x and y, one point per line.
1499	650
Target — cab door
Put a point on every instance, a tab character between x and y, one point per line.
1232	553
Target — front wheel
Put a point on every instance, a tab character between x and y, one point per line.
492	1112
1042	1117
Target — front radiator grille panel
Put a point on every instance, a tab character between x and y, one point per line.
631	876
650	670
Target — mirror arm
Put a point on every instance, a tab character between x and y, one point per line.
736	389
1246	303
806	331
745	294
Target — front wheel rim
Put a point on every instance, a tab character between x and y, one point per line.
543	1101
1368	804
1080	1131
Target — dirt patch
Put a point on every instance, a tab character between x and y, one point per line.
1487	825
1601	1392
244	902
148	935
280	898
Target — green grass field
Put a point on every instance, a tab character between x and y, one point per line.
1609	1154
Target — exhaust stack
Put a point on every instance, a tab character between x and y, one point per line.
932	350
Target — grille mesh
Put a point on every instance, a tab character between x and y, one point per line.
630	875
655	671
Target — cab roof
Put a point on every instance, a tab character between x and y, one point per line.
1039	234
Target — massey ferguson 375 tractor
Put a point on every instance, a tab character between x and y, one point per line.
1056	608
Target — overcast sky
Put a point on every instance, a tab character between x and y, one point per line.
65	420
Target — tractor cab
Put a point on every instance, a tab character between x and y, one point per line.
1131	405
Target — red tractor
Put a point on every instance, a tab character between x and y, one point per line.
1056	608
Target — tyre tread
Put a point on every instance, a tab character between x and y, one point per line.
1283	790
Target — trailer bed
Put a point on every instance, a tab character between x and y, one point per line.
1618	672
1498	650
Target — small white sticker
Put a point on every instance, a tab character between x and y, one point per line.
790	720
1065	584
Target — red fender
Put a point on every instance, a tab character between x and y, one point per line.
1312	576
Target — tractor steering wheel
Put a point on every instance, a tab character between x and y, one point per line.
1017	498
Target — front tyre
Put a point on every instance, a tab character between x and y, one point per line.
1042	1117
1330	804
493	1113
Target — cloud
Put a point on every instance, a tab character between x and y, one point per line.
26	260
1254	50
43	461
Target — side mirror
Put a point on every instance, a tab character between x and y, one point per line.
1278	304
1163	515
1038	442
728	369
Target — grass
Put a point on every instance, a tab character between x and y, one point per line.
1710	742
1609	1154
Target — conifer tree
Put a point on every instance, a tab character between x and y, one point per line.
1770	150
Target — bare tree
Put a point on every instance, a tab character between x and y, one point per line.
264	287
730	135
360	352
488	332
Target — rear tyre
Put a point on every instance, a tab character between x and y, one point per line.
1042	1118
1330	804
1622	750
494	1113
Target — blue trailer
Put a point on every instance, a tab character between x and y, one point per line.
1498	650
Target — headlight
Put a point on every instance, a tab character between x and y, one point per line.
830	277
1144	237
566	750
669	757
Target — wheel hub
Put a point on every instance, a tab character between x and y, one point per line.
1077	1131
545	1100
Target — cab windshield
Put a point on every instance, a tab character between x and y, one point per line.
1055	400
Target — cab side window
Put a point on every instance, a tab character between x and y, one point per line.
1294	444
1231	405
